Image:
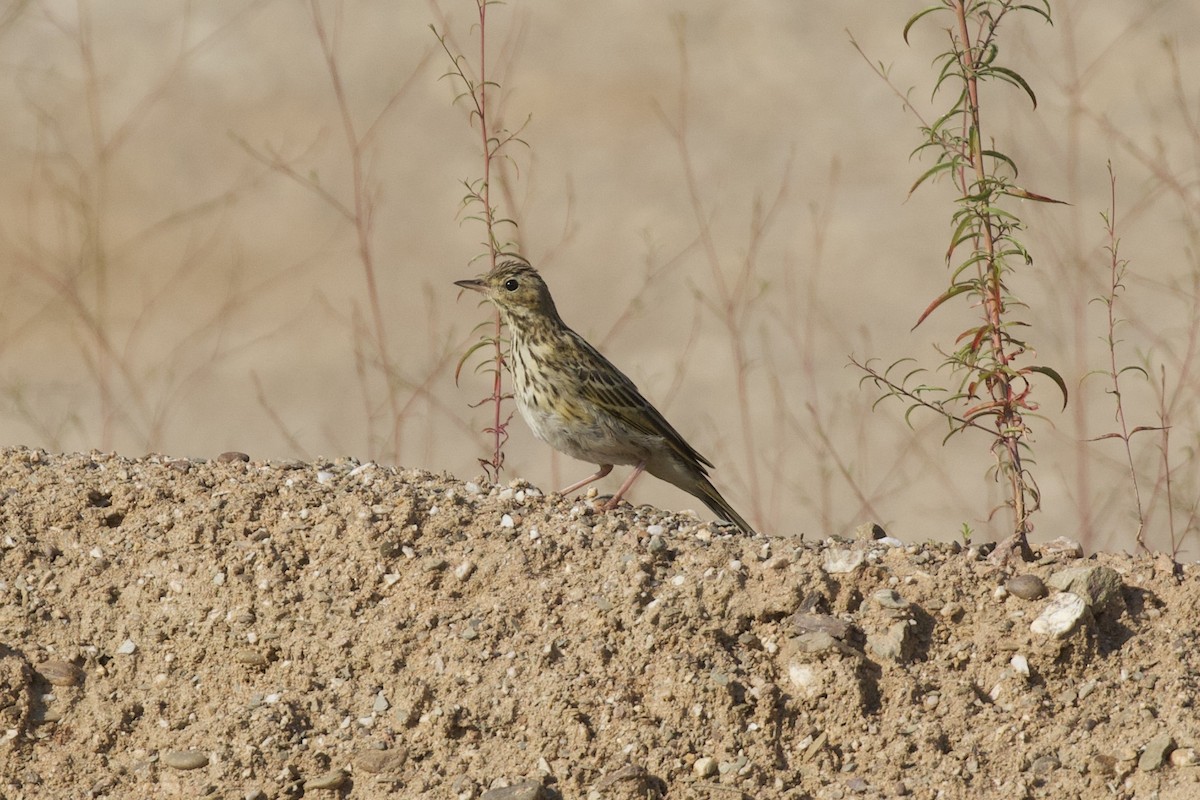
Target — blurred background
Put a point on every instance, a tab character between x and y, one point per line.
235	225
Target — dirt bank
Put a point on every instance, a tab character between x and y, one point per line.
270	630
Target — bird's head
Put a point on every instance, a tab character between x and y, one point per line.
517	290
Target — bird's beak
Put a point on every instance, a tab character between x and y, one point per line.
474	284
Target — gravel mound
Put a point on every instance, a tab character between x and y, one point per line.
239	629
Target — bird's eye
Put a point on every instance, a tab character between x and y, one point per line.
511	284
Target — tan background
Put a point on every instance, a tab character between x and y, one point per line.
165	290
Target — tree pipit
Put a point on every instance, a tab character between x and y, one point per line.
577	402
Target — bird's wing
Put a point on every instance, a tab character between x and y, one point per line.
618	395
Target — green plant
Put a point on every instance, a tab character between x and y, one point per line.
1117	269
477	206
991	389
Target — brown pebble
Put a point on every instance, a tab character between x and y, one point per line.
251	658
185	759
377	761
60	673
1026	587
232	455
330	780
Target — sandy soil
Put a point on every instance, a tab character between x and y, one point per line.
266	630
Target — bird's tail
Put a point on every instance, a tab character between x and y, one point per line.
705	491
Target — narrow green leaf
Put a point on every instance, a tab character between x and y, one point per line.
915	18
1054	376
929	173
1025	194
953	291
1012	77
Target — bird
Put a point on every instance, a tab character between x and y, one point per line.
575	400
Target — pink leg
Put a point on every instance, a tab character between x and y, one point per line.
616	498
604	470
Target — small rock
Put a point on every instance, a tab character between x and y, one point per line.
126	648
185	759
381	761
1062	546
857	784
464	570
334	779
817	642
1184	757
1100	587
705	767
526	790
890	599
250	657
952	611
1020	665
869	532
821	623
232	456
1026	587
890	644
1060	617
1045	765
1156	752
839	561
633	780
60	673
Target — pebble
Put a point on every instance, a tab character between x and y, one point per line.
1156	752
836	627
705	767
464	570
1062	546
381	704
1020	665
231	456
185	759
816	642
1026	587
633	781
381	761
126	648
890	644
869	532
1060	616
1184	757
953	611
839	561
526	790
890	599
1099	586
1045	765
60	673
250	657
334	779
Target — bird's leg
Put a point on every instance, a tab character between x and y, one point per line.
616	498
604	470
